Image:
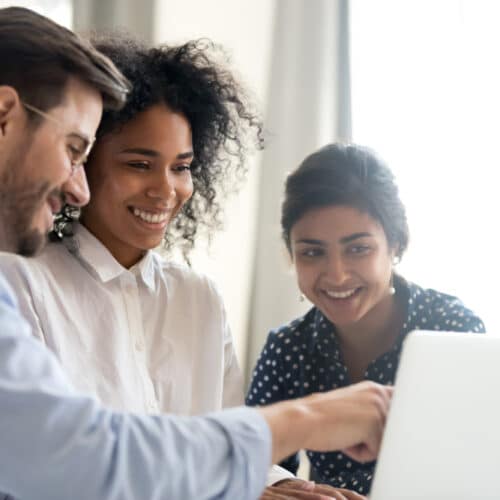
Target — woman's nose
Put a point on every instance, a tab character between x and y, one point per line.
337	270
162	187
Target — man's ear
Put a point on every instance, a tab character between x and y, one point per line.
9	107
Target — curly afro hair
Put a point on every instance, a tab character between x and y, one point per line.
191	79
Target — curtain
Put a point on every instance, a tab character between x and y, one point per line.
101	15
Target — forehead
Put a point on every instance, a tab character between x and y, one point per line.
334	223
157	128
80	109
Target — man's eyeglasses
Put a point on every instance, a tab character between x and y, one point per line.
79	147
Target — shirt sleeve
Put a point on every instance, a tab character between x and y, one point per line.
451	314
472	324
26	294
269	384
469	322
57	444
277	473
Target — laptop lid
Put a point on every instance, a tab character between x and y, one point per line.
442	438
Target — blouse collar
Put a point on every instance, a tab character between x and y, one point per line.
99	260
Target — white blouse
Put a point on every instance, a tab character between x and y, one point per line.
150	339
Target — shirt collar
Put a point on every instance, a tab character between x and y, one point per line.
98	258
145	270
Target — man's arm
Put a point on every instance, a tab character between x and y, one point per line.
350	419
58	445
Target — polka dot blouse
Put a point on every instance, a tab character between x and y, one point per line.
304	357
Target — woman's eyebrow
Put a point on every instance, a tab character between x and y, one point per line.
185	156
354	236
141	151
154	154
310	241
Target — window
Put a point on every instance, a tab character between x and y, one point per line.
60	11
426	96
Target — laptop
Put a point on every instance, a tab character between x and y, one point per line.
442	438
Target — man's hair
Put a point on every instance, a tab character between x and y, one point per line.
38	56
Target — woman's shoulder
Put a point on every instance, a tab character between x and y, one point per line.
434	309
301	327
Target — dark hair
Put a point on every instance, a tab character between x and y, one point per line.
189	79
349	175
38	56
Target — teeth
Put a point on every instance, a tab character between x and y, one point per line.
340	295
149	217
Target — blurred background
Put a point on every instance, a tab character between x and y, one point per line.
416	80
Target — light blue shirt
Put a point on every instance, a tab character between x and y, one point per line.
56	444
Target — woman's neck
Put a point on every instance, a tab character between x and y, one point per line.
125	254
370	337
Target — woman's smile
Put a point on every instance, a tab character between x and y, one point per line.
341	294
157	217
343	261
140	178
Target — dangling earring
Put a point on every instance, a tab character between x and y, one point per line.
395	262
392	290
301	297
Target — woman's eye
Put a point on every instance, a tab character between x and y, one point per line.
140	165
311	253
358	250
185	167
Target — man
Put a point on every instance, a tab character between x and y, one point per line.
56	444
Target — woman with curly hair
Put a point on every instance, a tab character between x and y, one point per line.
139	332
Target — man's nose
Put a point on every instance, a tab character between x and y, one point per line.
76	189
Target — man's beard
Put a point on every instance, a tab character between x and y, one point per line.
20	201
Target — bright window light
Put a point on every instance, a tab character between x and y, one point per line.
426	97
60	11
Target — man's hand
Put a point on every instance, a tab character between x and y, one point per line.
350	419
353	419
307	490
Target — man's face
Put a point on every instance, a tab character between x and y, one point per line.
36	175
